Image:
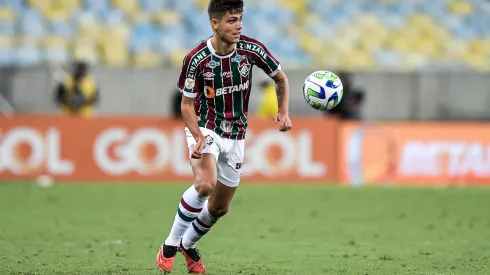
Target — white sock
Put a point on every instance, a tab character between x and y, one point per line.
190	206
199	228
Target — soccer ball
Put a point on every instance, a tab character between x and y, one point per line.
323	90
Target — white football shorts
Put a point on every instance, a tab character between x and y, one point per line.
229	155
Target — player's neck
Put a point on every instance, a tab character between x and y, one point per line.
221	47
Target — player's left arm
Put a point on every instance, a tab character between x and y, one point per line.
282	91
264	59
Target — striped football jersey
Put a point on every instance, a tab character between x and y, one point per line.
221	84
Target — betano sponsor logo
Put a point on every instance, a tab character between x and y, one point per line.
210	92
439	158
414	154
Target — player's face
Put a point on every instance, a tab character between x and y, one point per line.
229	27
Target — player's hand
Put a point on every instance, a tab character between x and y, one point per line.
197	149
286	123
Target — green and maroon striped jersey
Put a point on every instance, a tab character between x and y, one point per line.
221	84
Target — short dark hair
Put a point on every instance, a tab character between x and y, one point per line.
218	8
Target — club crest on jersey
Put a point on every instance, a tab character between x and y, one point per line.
213	64
226	126
209	140
190	83
244	69
238	58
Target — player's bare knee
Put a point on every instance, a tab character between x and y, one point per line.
205	186
218	210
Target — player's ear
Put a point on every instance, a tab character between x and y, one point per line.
214	23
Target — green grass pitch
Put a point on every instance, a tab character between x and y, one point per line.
117	229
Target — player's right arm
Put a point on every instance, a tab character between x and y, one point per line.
190	120
188	86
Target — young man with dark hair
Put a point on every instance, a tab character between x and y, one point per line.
215	83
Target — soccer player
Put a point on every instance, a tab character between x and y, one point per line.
215	82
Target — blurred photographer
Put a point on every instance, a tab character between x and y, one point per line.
267	107
349	108
175	105
78	93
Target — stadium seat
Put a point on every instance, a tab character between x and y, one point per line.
7	56
298	6
202	4
63	29
7	14
115	54
120	33
7	51
461	7
152	6
33	25
7	29
147	59
387	58
69	6
127	6
89	26
27	54
167	18
40	5
476	62
56	55
175	58
15	5
85	49
97	6
114	50
114	17
56	13
7	41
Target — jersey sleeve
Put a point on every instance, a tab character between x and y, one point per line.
263	58
188	80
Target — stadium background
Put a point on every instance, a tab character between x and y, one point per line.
424	67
